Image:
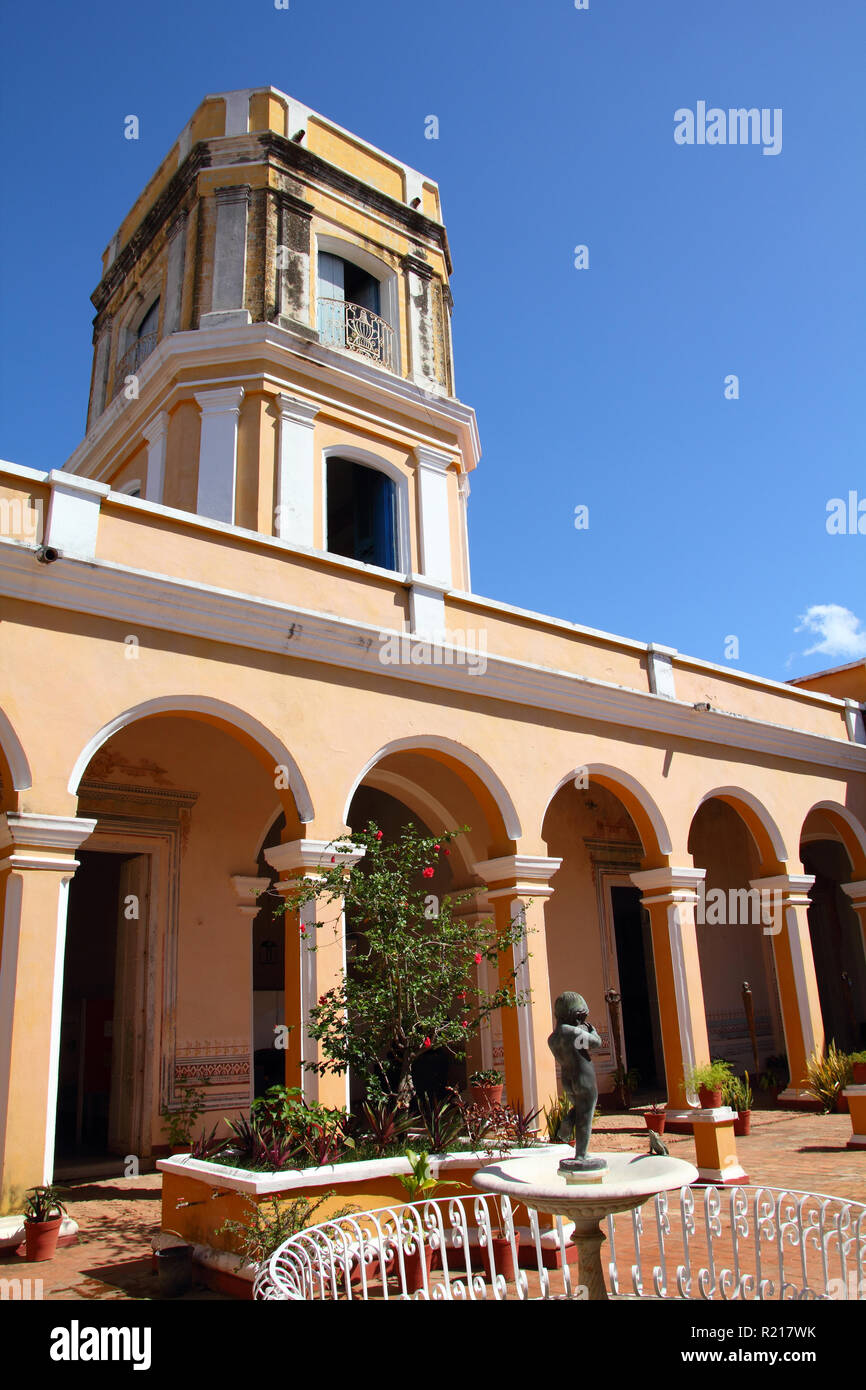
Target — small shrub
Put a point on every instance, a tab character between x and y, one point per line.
827	1074
270	1223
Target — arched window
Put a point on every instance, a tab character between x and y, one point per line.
361	513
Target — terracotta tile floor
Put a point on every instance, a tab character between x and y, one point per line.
118	1216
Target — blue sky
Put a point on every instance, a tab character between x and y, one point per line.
602	387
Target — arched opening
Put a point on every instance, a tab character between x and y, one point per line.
361	513
832	850
356	302
15	775
734	840
158	964
599	939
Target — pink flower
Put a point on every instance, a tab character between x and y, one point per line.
428	872
465	1023
378	834
477	957
427	1042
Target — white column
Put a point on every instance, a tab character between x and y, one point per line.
433	468
230	258
156	433
296	471
217	458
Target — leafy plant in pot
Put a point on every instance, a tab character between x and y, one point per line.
43	1217
655	1118
487	1088
419	1183
738	1095
709	1080
858	1068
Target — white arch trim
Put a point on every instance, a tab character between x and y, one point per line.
22	777
217	709
470	760
854	825
628	783
749	799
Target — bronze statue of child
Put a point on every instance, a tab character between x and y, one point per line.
570	1042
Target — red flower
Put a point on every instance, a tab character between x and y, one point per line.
303	931
428	872
447	851
477	957
333	858
461	994
437	848
322	998
427	1042
378	834
465	1023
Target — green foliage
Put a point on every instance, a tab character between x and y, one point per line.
737	1093
555	1112
827	1073
271	1222
43	1203
487	1078
420	1183
181	1121
858	1057
709	1076
411	987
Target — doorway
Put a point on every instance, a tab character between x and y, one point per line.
98	1100
637	986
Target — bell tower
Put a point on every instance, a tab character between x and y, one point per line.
272	346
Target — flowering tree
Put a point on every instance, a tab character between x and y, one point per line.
412	983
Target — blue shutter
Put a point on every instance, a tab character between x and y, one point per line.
331	287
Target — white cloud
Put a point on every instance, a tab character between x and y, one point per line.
841	632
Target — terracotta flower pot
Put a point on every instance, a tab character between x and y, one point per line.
40	1238
841	1104
860	1073
655	1120
414	1267
487	1097
503	1256
710	1100
743	1122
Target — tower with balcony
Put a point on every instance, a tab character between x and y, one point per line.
272	346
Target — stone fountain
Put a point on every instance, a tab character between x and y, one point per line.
588	1187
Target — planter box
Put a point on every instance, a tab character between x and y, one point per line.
197	1196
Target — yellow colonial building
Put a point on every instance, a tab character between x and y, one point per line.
239	620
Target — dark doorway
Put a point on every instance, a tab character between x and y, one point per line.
89	1018
837	945
636	984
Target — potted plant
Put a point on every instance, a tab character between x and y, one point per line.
709	1079
487	1088
43	1217
858	1068
419	1184
827	1074
655	1118
738	1095
182	1119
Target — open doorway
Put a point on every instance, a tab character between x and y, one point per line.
637	985
102	1019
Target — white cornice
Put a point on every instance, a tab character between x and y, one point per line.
206	350
117	592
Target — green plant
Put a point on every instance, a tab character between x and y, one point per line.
420	1182
43	1203
737	1093
383	1126
487	1078
709	1076
521	1126
859	1057
180	1121
270	1223
411	986
555	1112
827	1073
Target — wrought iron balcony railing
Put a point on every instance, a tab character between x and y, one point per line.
133	358
347	325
